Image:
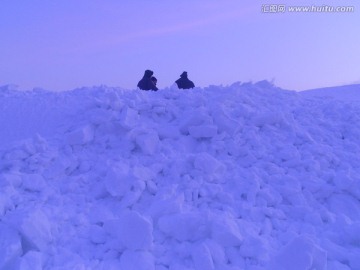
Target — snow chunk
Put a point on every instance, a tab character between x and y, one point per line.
335	265
98	213
126	183
226	232
253	247
32	260
203	131
345	204
137	260
224	122
129	117
196	117
184	227
168	132
33	182
80	136
36	229
217	252
161	207
97	234
206	163
12	178
202	257
10	246
117	180
143	173
300	254
132	230
113	264
148	143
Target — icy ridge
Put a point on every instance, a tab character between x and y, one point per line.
241	177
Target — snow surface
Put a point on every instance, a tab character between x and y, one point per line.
346	93
241	177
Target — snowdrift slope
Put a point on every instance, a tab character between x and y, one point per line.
242	177
346	93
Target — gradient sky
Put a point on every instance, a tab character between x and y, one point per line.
64	44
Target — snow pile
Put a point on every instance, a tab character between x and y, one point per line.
241	177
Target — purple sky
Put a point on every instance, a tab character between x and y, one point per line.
64	44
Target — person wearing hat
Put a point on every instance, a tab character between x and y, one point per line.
146	83
184	82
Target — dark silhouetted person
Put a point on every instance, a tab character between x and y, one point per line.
154	80
146	83
184	82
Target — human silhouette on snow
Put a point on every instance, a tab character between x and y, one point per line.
146	83
184	82
154	80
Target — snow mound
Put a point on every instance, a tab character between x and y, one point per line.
247	176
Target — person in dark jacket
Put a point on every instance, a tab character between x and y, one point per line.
146	83
184	82
154	80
